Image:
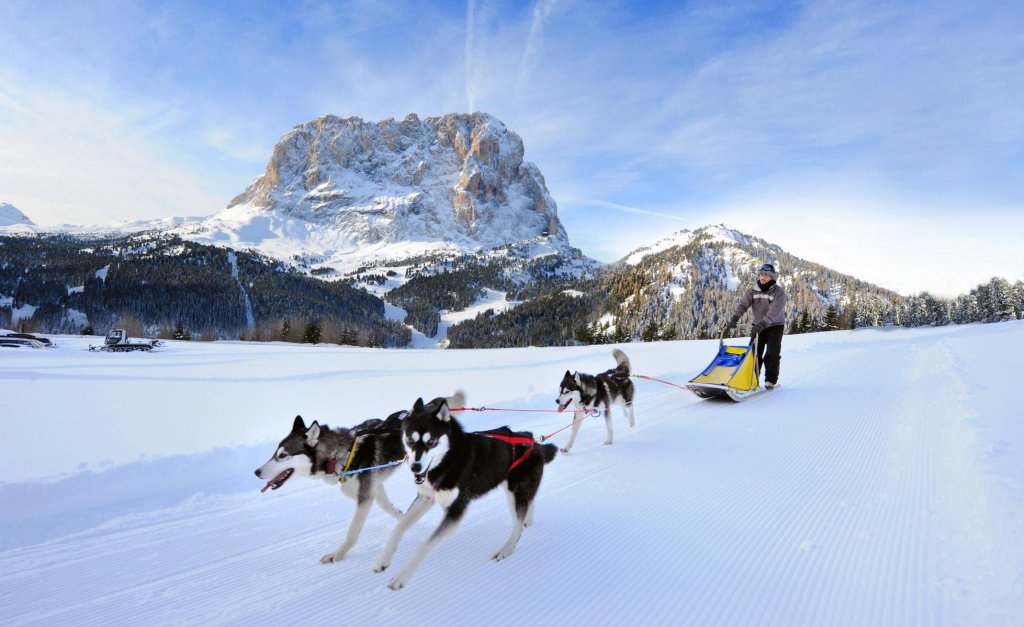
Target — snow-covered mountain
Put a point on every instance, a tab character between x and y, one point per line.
344	191
11	216
716	233
685	285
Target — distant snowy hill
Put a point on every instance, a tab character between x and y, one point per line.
11	216
686	284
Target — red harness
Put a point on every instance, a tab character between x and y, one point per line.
513	441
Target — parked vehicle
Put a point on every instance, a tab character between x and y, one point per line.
29	336
117	341
18	342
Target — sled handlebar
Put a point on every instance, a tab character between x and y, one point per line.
725	329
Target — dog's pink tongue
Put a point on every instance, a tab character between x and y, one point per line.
273	481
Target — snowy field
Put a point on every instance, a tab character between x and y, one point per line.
882	484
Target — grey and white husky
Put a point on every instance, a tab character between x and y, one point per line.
453	467
319	452
586	391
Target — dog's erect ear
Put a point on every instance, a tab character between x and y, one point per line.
568	374
298	425
418	405
442	412
577	379
313	434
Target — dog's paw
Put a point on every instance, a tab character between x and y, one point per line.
380	567
397	583
564	450
608	442
503	553
337	556
330	558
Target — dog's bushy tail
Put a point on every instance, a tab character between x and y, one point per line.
456	401
621	360
548	452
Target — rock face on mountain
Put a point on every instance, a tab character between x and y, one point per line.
459	178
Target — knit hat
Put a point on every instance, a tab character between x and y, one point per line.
768	269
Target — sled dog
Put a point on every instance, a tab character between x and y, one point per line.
453	468
320	452
585	391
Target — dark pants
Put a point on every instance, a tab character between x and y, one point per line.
770	339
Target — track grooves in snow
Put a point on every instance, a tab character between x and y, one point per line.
857	494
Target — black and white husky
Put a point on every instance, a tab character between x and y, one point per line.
453	468
320	452
586	391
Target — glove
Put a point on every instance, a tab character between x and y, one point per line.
732	322
757	327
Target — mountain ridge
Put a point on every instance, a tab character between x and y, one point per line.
429	216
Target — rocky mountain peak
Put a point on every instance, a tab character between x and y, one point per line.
457	178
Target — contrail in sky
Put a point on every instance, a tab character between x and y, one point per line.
628	209
470	19
534	40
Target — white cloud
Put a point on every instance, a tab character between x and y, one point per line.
66	160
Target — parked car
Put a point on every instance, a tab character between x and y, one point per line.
18	342
28	336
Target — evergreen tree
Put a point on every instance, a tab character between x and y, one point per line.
180	333
650	333
1002	305
312	333
831	318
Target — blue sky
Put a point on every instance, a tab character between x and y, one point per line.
884	139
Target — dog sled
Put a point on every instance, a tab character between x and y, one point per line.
731	374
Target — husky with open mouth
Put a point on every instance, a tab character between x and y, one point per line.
453	467
587	391
319	452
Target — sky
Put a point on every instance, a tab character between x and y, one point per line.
881	139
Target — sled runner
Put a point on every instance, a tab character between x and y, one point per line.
732	374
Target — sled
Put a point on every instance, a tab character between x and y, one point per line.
731	374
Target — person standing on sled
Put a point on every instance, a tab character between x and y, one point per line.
767	300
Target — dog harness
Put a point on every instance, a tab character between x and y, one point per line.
333	464
513	441
345	472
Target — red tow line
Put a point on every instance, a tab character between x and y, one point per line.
643	376
586	413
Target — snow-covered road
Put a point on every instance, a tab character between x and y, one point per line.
882	484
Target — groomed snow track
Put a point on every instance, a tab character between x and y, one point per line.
868	490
